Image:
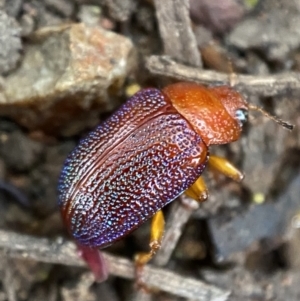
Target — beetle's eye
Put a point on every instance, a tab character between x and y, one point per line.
241	115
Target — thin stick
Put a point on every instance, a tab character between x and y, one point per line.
65	252
180	42
8	283
264	85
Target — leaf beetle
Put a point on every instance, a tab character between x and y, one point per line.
154	148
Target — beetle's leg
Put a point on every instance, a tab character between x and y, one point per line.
225	167
157	230
156	235
198	190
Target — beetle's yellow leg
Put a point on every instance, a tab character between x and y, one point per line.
157	231
198	190
225	167
156	235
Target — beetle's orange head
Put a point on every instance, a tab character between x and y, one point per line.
217	114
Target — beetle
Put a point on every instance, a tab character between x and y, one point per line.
154	148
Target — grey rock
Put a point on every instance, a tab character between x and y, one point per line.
10	43
275	34
69	74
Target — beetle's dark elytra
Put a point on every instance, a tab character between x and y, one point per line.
129	167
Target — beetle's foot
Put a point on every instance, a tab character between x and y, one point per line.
141	259
198	190
156	235
223	166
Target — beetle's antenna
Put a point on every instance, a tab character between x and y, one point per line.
276	119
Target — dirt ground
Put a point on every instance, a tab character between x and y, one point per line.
66	65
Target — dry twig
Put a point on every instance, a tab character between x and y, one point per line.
8	282
264	85
175	30
65	252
